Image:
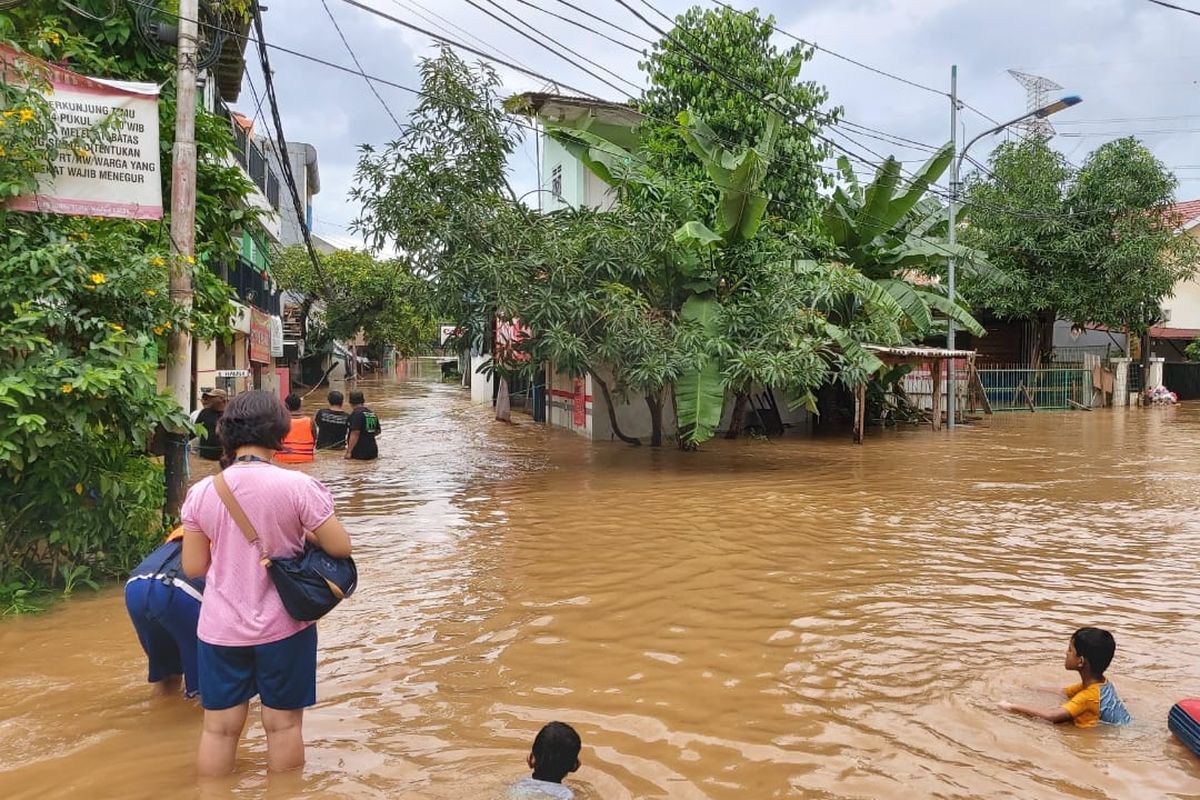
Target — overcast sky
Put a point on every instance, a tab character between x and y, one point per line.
1134	63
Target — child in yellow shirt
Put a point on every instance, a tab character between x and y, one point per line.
1093	700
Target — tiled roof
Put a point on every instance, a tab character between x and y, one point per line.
1163	332
1185	213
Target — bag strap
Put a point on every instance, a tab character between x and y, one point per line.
239	516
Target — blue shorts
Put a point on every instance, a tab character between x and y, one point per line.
165	619
283	673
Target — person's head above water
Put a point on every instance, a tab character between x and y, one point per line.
357	399
252	419
335	399
292	402
1091	648
555	752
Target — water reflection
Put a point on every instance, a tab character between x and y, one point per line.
795	618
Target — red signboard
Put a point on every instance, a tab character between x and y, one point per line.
260	337
580	400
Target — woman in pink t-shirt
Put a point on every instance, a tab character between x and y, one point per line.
249	644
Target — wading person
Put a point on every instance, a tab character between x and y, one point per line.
363	427
249	644
164	608
332	423
213	402
1093	700
297	447
554	755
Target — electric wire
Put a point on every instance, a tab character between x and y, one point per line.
284	161
536	39
357	63
262	43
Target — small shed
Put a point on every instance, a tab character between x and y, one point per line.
935	357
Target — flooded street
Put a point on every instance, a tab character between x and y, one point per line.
801	618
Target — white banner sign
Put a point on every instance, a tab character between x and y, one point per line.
233	373
116	175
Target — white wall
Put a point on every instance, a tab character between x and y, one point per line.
481	384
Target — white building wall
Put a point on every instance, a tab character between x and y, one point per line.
481	384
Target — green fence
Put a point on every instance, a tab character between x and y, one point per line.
1013	388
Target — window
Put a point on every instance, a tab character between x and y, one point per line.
556	181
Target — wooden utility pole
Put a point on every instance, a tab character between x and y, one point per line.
183	243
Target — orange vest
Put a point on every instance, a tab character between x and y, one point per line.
299	444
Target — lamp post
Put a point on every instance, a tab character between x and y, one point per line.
955	187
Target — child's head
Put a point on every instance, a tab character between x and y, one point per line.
555	752
292	402
1092	648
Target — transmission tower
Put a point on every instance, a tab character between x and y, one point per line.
1037	94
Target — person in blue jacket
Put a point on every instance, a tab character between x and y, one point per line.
164	607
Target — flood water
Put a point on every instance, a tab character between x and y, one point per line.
799	618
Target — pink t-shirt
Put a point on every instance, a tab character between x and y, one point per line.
241	606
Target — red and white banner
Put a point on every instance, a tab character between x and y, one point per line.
260	337
116	175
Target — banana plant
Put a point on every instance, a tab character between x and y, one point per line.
894	233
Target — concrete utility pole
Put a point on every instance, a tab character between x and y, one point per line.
183	243
952	239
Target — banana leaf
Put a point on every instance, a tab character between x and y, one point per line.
954	311
873	217
922	179
853	351
912	301
700	392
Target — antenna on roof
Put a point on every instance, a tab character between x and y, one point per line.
1037	95
550	87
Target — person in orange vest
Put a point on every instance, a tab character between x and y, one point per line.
301	440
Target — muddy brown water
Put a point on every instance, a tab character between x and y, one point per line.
800	618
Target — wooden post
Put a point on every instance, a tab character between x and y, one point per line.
860	412
183	238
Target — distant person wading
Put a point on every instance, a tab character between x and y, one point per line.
332	424
213	402
301	439
364	427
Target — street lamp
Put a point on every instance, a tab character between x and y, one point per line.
956	168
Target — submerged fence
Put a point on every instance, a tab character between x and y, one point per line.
1006	387
1013	388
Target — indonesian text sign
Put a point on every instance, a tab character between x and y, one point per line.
117	173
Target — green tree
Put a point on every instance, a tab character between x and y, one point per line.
1093	245
721	65
358	292
84	313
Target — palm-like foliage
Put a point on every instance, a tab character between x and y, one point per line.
894	234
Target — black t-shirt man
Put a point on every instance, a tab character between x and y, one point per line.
209	446
363	427
332	427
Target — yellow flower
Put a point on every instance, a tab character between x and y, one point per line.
151	293
158	261
53	38
167	324
84	236
158	331
3	152
67	388
97	278
9	113
82	152
25	115
116	327
2	122
79	488
191	259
